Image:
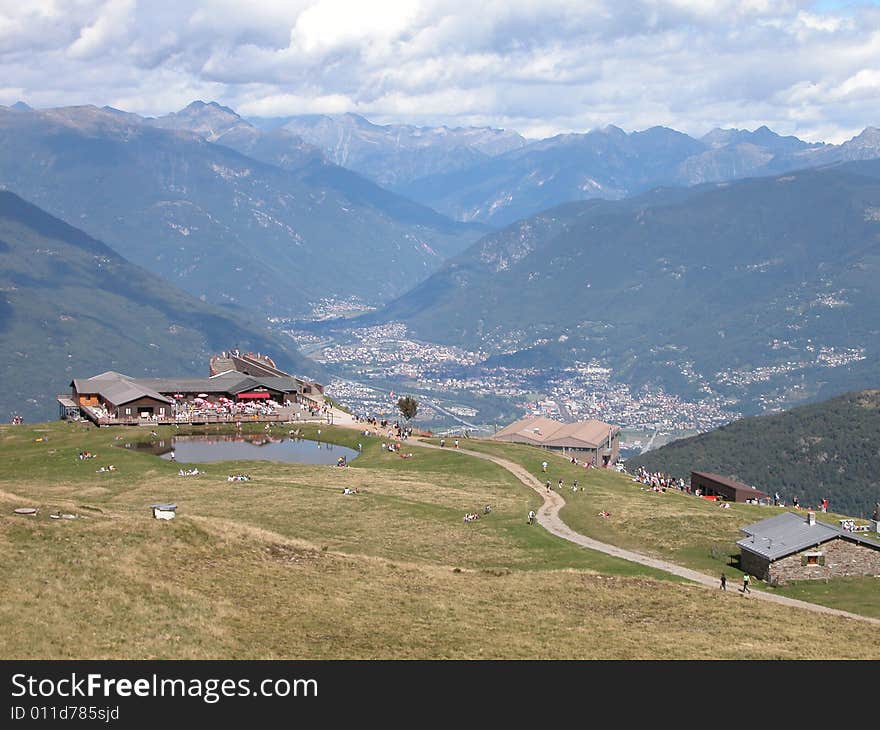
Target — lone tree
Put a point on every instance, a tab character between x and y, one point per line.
408	407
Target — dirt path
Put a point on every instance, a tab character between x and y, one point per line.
548	518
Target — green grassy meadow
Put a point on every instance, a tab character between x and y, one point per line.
286	566
684	529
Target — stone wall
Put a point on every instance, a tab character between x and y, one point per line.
754	565
842	557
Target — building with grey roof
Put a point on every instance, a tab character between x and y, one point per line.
796	546
115	397
119	397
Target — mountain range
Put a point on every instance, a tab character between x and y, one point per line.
70	306
394	155
760	290
611	164
497	176
225	227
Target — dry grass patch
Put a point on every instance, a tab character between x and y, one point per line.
131	588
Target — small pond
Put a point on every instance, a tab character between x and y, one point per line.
206	449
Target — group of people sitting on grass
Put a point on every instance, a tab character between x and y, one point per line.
83	455
396	449
189	472
349	490
238	478
110	467
471	516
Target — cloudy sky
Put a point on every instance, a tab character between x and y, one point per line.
804	67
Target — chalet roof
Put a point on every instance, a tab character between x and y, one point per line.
225	383
542	431
228	382
791	532
117	388
288	383
745	489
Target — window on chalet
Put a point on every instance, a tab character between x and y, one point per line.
813	559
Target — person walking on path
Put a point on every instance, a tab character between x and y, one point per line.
531	516
745	588
547	485
723	582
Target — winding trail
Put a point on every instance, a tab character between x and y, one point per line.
549	519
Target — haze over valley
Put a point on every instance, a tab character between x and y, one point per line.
587	309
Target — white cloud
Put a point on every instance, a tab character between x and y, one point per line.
108	30
538	66
277	105
332	24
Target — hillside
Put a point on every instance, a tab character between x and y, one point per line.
822	450
282	148
72	307
224	227
392	572
759	292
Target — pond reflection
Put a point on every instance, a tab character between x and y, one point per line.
207	448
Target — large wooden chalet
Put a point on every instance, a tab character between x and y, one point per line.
114	398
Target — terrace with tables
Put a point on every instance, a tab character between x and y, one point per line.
112	398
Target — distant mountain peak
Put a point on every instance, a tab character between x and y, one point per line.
764	133
762	136
863	146
210	120
868	134
21	106
198	105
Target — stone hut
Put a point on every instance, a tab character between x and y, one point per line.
793	546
